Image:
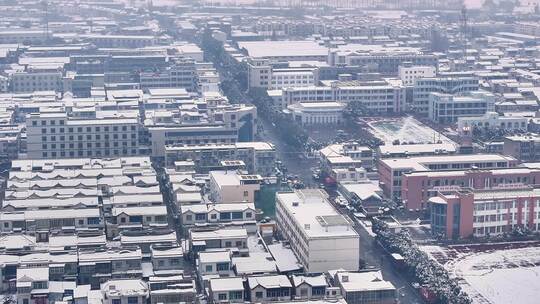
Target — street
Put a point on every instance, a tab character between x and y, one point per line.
375	257
294	161
370	252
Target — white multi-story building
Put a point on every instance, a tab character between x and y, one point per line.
120	41
492	121
321	238
262	74
386	96
449	83
181	74
233	187
447	108
385	59
258	157
36	80
317	113
409	73
56	135
293	77
223	124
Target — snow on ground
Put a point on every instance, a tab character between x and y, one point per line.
405	129
503	276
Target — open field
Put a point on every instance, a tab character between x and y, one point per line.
405	129
497	273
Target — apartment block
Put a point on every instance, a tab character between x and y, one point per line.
455	83
57	135
420	186
447	108
321	238
258	157
391	170
466	212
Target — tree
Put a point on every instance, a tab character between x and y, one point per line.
8	299
427	271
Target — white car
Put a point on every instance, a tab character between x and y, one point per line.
340	200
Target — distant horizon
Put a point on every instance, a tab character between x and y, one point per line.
469	3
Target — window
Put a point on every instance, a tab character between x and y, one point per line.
235	295
246	193
318	291
133	300
222	266
116	301
209	268
93	221
221	296
237	215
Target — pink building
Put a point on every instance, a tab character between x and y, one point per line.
419	187
467	212
392	170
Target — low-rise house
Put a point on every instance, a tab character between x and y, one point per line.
366	287
167	258
133	218
97	266
32	285
51	220
214	262
171	289
228	290
275	288
309	287
230	214
255	263
125	292
235	239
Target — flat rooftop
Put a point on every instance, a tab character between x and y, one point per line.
312	211
421	163
297	48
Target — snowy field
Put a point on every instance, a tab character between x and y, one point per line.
405	129
504	276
